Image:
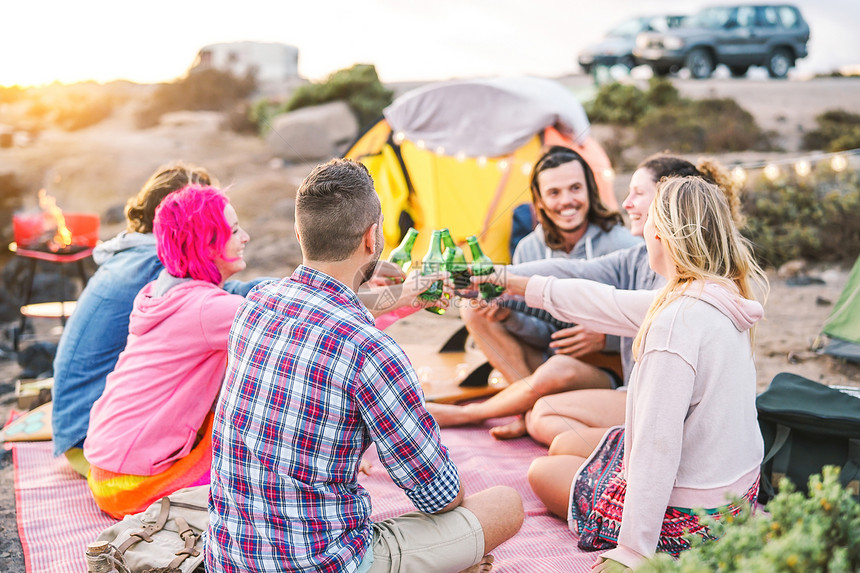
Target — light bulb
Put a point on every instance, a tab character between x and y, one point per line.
838	163
739	174
803	168
771	171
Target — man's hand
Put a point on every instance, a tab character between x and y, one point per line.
577	341
491	311
386	273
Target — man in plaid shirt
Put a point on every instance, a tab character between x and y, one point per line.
311	383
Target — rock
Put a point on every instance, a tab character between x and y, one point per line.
792	269
312	133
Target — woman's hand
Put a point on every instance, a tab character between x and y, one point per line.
513	284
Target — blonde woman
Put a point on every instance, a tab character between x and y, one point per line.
691	439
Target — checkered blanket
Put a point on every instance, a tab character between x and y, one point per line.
57	516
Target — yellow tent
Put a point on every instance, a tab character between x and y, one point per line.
459	154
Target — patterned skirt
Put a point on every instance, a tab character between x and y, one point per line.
119	494
597	499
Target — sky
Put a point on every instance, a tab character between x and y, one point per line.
156	41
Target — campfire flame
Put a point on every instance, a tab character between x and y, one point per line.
63	237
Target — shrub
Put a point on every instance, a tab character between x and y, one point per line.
79	110
707	125
813	533
617	103
358	86
208	89
811	218
838	130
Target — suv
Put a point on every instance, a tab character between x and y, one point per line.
617	46
773	36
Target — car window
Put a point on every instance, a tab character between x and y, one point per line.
769	17
745	16
713	18
627	29
788	16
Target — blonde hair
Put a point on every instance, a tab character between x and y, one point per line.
698	230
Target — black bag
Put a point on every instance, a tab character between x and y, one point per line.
806	426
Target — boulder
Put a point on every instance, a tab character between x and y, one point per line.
205	121
312	133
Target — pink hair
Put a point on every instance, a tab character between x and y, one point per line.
191	231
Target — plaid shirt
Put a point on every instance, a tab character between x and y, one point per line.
310	384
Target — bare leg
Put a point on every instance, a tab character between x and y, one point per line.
585	413
486	564
500	511
558	374
514	359
551	477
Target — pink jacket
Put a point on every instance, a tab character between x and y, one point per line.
166	379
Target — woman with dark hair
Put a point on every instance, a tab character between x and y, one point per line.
150	431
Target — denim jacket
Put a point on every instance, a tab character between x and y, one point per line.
96	332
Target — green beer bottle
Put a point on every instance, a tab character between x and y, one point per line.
433	263
402	255
455	261
483	265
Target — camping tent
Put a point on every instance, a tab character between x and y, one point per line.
458	155
843	324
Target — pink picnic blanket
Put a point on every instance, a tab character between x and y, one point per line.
57	517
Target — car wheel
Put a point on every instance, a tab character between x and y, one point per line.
778	63
738	71
661	71
700	63
627	62
586	68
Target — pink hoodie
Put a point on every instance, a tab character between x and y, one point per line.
692	437
166	379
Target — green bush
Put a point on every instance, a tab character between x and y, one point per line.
813	533
663	119
813	217
202	90
617	103
838	130
358	86
704	126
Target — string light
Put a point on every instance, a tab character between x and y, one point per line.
838	163
771	171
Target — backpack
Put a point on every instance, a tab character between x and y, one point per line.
806	426
166	538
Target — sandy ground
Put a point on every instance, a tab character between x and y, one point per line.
100	167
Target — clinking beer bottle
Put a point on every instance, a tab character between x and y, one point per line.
483	265
433	263
455	261
402	255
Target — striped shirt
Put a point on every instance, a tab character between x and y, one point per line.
311	383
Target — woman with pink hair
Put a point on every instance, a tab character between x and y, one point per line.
150	431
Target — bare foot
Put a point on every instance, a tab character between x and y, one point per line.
516	429
448	415
486	564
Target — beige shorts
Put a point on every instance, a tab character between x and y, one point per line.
421	542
